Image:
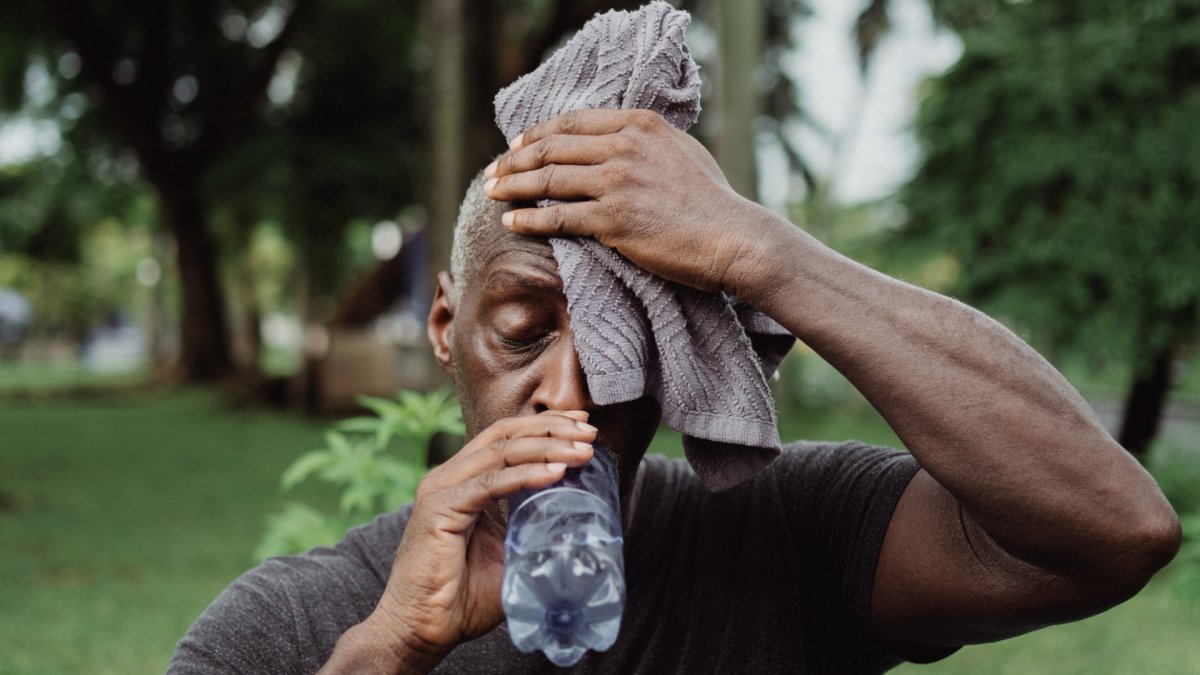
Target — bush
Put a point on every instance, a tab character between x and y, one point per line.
376	462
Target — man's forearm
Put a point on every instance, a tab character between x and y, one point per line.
984	414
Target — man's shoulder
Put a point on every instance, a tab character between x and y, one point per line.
292	609
800	455
850	454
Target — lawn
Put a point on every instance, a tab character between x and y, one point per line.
122	517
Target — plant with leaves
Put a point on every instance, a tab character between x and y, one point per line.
375	461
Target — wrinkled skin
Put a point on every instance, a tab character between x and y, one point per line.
1025	511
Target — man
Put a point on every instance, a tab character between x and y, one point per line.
1015	510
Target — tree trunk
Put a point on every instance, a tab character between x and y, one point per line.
739	37
1145	404
204	337
447	128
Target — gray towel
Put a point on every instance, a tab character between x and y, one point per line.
638	334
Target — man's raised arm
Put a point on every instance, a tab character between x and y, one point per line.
1026	511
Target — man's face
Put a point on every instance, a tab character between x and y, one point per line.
507	341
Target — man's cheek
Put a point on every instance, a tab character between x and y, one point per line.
483	403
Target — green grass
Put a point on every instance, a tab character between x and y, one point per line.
125	518
39	378
122	517
1155	633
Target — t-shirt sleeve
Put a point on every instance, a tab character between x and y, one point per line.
838	500
249	628
286	615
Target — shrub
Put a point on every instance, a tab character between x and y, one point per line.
376	461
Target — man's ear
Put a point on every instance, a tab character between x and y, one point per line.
440	325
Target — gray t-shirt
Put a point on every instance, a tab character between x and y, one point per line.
774	575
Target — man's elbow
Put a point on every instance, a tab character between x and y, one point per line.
1157	540
1142	547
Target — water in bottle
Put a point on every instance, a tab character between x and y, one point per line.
564	571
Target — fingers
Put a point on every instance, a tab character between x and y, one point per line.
578	150
475	495
512	454
568	424
548	437
518	451
554	181
587	122
579	219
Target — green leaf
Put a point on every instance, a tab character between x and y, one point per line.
297	529
359	425
358	498
338	443
305	466
379	406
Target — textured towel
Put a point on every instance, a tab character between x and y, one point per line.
638	334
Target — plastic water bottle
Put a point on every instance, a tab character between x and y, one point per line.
564	571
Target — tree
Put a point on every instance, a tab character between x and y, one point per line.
166	81
311	114
1059	169
345	139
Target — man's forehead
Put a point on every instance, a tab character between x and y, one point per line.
511	259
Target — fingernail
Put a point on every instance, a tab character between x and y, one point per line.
585	426
516	142
490	170
555	467
507	219
580	445
491	183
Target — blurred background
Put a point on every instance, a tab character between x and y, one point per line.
219	221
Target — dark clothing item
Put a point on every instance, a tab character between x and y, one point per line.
774	575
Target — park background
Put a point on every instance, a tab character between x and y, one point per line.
219	220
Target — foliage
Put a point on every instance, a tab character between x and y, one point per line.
376	462
235	112
347	143
1059	168
71	296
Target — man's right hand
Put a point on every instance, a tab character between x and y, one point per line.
445	583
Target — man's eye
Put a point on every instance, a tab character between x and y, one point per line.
522	340
520	328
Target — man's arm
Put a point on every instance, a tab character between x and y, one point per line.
1026	512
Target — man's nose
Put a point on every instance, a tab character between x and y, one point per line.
562	385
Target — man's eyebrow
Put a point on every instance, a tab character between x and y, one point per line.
505	279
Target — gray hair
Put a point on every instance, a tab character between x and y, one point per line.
476	217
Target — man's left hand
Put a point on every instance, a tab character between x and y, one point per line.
640	186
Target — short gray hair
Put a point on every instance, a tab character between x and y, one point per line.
476	217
